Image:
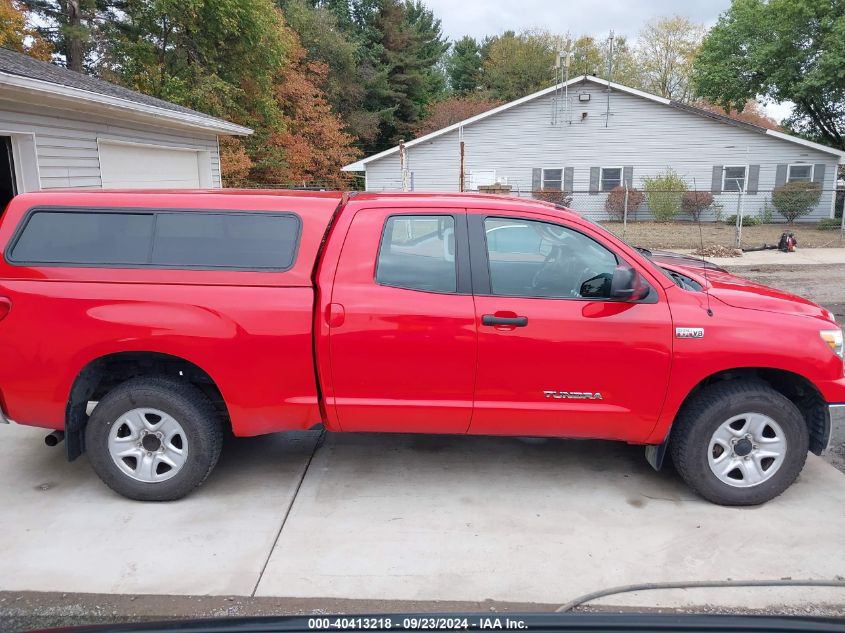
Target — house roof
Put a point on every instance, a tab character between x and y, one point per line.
23	72
361	164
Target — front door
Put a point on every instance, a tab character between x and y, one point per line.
402	325
556	356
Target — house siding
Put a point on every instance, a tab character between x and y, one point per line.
640	133
66	142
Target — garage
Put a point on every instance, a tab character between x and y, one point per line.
62	129
138	166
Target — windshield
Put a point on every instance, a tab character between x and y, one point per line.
293	323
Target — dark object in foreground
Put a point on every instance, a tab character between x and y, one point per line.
597	622
787	244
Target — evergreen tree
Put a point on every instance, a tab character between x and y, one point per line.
463	65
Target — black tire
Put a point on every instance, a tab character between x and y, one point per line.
194	412
702	415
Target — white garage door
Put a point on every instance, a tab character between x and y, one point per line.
125	166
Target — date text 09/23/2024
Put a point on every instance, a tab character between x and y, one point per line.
416	623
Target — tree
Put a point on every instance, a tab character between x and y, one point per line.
402	46
796	199
463	65
17	35
621	200
695	203
325	40
666	51
784	50
588	58
313	142
73	27
517	65
215	56
664	194
452	110
752	113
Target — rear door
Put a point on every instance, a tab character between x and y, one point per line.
556	356
401	320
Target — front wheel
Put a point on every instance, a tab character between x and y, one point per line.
154	439
739	443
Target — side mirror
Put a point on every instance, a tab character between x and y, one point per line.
627	284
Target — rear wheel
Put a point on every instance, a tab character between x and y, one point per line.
154	439
739	442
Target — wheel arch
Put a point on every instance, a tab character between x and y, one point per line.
105	372
795	387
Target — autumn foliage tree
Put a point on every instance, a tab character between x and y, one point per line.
752	113
313	142
453	110
17	35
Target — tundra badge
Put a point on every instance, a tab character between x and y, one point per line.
689	332
572	395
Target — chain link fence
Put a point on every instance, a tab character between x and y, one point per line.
641	213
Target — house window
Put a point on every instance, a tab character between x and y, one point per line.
800	173
552	179
611	177
733	179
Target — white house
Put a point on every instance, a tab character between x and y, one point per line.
59	128
588	136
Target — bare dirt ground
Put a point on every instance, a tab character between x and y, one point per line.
686	235
824	285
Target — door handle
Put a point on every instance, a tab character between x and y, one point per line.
492	319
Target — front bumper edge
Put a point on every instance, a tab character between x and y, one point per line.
837	424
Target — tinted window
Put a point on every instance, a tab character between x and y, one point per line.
537	259
167	239
85	238
229	240
418	253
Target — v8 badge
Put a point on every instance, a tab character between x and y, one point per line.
689	332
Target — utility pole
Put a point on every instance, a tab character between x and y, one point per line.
403	165
461	175
609	76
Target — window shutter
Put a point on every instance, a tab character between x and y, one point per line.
753	179
628	176
568	179
536	179
818	173
716	183
595	175
780	175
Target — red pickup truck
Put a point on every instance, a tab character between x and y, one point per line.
139	325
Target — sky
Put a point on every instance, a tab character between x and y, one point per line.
579	17
592	17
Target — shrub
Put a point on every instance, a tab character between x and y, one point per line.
615	203
830	224
665	194
696	202
747	220
555	196
766	213
796	199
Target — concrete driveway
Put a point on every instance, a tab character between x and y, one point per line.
412	518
